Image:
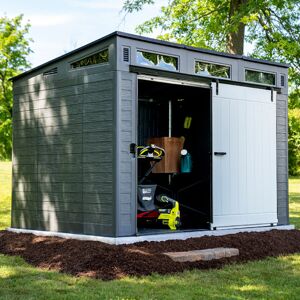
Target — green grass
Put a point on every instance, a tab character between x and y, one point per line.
5	194
274	278
294	195
268	279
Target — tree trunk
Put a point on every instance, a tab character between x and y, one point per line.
235	40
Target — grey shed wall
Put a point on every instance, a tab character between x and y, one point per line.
63	148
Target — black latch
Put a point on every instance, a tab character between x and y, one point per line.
217	87
132	148
272	96
219	153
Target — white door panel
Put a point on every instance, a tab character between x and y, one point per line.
244	180
235	92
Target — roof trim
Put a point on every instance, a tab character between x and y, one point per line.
153	41
201	50
195	78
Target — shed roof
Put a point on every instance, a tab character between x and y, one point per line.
153	41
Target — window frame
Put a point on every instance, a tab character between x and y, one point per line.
260	71
213	63
88	55
157	53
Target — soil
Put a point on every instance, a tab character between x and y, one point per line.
107	262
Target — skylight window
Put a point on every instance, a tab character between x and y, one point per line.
149	59
209	69
94	59
260	77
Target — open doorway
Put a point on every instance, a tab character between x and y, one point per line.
182	114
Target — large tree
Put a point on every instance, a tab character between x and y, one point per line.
272	27
14	49
226	24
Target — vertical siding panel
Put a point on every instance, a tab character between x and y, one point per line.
98	143
126	213
282	159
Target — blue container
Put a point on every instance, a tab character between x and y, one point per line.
185	162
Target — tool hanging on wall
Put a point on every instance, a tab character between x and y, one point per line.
187	122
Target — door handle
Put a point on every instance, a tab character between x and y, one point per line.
220	153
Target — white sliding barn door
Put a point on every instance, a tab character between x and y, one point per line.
244	156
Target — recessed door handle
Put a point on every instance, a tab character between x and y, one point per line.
219	153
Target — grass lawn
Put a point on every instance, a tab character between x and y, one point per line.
5	194
294	193
273	278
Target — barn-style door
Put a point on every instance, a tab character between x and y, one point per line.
244	156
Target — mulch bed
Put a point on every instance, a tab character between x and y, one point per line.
107	262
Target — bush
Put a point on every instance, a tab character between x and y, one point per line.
294	141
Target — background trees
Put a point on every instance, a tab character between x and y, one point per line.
14	49
272	27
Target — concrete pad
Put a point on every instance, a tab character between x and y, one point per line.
205	254
175	235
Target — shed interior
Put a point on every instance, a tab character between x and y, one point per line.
182	112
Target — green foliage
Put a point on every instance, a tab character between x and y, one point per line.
294	123
277	33
294	98
14	49
272	25
294	141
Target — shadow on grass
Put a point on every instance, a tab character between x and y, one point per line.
271	278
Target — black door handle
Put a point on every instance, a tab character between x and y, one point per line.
219	153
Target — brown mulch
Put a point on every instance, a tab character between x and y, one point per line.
99	260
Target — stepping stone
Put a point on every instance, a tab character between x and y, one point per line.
206	254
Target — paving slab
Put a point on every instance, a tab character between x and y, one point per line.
205	254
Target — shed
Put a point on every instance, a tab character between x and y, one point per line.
77	119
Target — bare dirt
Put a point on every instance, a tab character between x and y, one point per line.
107	262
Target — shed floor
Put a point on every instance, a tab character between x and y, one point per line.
151	231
